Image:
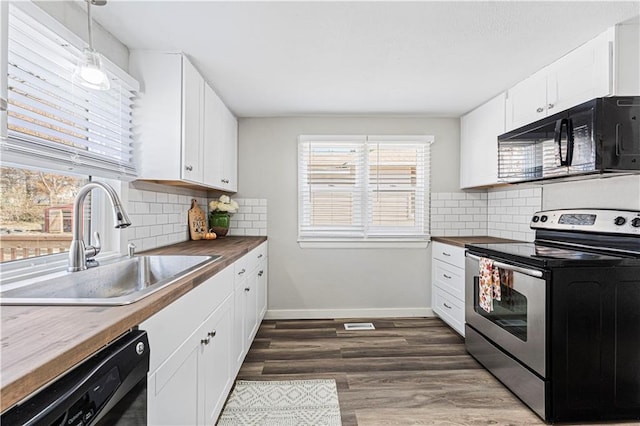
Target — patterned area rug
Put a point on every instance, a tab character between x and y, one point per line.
282	403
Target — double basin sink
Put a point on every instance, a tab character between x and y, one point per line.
120	282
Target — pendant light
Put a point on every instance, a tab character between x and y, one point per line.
89	72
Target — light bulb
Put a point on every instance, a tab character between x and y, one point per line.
89	72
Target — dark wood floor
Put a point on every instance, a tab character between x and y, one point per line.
411	371
406	372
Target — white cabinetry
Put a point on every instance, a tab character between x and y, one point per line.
604	66
185	132
250	300
479	132
199	342
447	284
191	368
220	143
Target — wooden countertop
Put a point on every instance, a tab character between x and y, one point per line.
41	342
461	241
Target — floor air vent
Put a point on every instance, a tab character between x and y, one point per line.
354	326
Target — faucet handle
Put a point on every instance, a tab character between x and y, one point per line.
131	249
94	249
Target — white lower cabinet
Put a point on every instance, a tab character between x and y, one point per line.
250	300
199	342
447	284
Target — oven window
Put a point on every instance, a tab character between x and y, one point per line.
508	313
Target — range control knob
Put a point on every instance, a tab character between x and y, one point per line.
635	222
543	218
620	220
535	219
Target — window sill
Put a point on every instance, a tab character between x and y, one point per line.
367	244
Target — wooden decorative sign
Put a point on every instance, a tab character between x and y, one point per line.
197	221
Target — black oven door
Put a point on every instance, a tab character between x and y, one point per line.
516	322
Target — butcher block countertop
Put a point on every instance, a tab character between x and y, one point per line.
461	241
40	343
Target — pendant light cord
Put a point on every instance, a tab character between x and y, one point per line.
89	24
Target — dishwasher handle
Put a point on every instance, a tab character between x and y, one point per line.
502	265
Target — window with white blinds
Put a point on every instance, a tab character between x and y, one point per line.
363	187
53	123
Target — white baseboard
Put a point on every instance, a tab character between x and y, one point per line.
281	314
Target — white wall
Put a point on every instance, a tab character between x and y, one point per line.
73	15
336	282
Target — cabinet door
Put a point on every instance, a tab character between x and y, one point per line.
214	131
527	101
261	290
479	131
238	345
172	391
192	108
214	362
230	152
581	75
250	309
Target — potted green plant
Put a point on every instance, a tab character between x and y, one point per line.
220	211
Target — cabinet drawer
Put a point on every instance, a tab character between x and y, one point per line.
449	278
450	254
450	309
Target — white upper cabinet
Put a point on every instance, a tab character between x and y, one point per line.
181	124
192	121
220	143
604	66
479	132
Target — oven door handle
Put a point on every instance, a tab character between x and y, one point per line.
526	271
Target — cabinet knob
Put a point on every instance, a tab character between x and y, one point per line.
188	168
211	333
550	106
224	180
260	273
205	341
247	289
539	109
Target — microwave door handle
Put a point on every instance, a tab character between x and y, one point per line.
569	158
526	271
558	136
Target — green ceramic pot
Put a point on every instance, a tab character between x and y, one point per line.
219	223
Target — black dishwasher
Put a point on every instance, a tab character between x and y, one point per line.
108	388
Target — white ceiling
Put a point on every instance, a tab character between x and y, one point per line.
437	58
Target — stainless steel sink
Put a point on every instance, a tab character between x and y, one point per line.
120	282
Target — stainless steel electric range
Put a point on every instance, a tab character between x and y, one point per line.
558	320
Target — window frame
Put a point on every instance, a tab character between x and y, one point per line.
113	243
368	239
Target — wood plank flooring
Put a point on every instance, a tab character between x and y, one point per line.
406	372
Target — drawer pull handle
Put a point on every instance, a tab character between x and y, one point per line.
260	256
211	333
188	168
446	276
260	273
242	271
539	109
205	341
247	289
446	254
446	306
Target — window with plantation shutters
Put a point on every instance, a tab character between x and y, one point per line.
52	123
363	187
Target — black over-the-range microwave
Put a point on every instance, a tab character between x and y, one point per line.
602	135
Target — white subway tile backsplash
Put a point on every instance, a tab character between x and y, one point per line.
498	213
